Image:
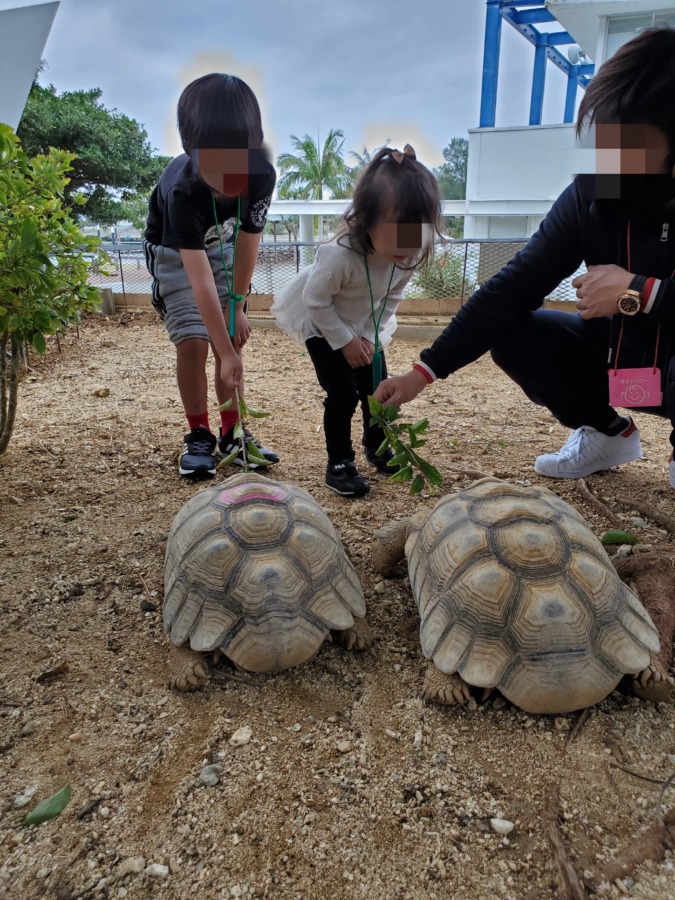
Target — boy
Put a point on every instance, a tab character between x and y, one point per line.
206	217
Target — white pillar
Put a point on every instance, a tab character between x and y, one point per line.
306	236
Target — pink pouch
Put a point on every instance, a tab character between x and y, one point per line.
635	387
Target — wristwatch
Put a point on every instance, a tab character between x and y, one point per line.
629	302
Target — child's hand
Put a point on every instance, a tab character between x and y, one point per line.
242	328
231	371
368	347
355	353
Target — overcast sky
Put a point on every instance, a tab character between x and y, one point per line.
409	70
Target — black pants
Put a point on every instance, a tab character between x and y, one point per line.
344	388
560	361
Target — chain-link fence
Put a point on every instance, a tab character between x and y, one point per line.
458	268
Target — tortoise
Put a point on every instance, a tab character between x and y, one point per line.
516	593
256	571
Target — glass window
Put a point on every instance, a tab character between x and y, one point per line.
622	28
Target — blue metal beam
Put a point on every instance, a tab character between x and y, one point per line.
493	33
538	82
531	16
570	99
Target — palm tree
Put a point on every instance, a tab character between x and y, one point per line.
363	159
313	172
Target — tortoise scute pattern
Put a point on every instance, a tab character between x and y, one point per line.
515	592
256	569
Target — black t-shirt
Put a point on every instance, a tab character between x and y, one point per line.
181	208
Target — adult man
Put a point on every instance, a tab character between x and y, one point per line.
621	223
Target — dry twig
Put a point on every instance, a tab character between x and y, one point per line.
572	886
597	505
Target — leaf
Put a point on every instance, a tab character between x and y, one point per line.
375	407
403	474
254	454
383	447
39	342
257	413
226	405
243	409
614	536
50	808
238	432
390	413
229	459
417	484
420	427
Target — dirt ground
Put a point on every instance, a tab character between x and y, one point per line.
350	785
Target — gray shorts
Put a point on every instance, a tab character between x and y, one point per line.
172	294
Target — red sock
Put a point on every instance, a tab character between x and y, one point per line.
202	419
229	417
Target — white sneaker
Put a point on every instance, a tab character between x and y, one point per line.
671	467
588	451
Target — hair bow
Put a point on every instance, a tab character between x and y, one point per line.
407	152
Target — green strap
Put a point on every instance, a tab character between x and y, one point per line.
233	298
377	355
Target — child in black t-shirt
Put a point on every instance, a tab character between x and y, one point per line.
204	225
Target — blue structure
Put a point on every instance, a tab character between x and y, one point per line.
524	15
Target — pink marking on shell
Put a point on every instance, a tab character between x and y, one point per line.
241	495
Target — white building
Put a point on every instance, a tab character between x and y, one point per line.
516	173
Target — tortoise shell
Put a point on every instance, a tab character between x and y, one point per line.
515	592
255	569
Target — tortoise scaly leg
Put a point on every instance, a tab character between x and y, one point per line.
445	688
358	637
188	669
653	683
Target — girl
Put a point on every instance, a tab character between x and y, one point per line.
342	307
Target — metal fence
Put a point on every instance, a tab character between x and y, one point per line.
458	268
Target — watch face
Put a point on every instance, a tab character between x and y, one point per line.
628	305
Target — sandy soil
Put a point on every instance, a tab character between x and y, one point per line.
350	785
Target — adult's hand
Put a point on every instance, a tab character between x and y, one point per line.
401	388
599	289
355	353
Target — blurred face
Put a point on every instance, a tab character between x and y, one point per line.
224	170
631	149
398	242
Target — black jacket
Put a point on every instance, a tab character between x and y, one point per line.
577	229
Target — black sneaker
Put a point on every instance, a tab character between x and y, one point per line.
344	478
196	458
380	462
227	445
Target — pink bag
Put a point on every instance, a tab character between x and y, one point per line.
635	387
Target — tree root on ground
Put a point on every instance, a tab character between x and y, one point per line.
597	505
572	887
654	577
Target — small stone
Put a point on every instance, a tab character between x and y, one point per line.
344	746
42	874
122	892
502	826
561	724
147	606
75	737
210	775
637	522
174	865
297	727
241	736
380	587
24	799
417	741
28	728
392	734
156	870
16	500
163	701
623	550
671	759
104	812
131	866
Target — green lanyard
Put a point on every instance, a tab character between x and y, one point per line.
234	298
377	355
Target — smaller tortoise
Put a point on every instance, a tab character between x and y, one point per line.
255	570
516	593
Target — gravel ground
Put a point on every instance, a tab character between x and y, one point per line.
334	779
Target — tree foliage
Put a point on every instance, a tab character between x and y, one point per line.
114	158
314	171
43	274
452	174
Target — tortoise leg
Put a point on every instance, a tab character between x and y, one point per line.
188	669
444	688
358	637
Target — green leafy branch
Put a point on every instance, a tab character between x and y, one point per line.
404	440
250	453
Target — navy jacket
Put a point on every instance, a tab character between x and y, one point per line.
578	229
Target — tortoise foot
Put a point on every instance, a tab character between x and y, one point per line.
188	670
358	637
449	689
653	683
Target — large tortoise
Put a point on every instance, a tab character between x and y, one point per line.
255	570
516	593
